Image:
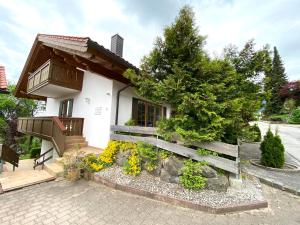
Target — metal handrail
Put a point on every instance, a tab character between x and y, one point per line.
37	163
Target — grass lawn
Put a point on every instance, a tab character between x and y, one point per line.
25	156
279	117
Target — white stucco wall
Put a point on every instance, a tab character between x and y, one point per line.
96	103
93	104
46	145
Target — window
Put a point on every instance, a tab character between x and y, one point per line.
146	114
66	108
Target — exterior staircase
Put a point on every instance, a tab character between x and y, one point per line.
56	168
74	141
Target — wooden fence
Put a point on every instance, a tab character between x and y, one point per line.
227	159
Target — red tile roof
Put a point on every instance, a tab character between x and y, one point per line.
63	37
3	83
89	42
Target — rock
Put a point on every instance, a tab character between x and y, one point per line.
174	180
156	172
219	183
122	157
172	165
208	172
165	176
1	190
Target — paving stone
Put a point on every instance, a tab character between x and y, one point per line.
89	203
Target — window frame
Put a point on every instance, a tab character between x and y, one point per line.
135	112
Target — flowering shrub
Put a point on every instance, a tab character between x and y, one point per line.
108	156
133	164
89	162
95	167
126	146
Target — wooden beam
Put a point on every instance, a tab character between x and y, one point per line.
219	147
135	129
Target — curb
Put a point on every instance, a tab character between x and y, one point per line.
275	185
293	168
182	203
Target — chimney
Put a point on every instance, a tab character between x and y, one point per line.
117	45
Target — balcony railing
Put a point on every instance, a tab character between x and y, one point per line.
54	129
55	73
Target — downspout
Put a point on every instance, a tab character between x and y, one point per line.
118	99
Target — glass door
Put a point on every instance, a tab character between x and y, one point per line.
66	108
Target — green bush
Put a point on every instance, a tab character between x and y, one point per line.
289	105
205	152
130	122
272	151
278	117
251	133
191	177
148	154
35	152
295	116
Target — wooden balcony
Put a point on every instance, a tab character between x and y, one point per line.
54	129
54	79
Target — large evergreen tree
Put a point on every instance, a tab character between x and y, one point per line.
210	98
275	80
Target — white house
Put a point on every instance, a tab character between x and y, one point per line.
85	92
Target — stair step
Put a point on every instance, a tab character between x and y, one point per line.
55	169
74	137
74	145
60	160
75	141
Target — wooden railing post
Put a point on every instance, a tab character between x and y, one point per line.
238	160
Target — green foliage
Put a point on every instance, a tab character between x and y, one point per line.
191	177
203	152
289	105
130	122
148	155
210	98
10	109
272	151
24	143
275	80
295	116
163	154
35	152
278	117
251	133
25	156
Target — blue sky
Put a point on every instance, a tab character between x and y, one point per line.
276	22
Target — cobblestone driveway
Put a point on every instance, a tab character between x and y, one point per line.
61	202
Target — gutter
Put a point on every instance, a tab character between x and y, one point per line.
118	100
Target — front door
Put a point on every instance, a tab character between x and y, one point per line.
66	108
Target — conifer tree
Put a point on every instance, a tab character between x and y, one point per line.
199	90
275	80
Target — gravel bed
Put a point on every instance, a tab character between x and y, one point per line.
250	191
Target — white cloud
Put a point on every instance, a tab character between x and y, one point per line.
275	22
